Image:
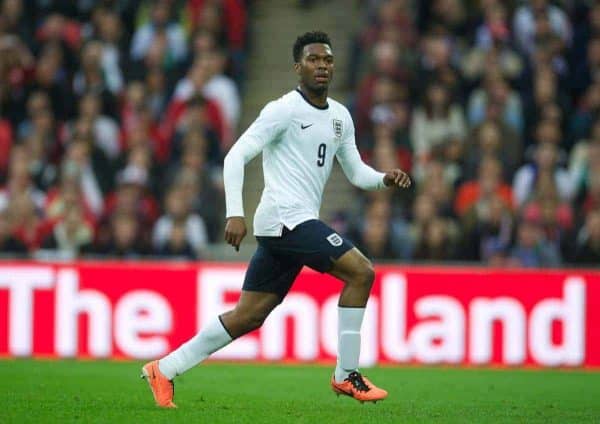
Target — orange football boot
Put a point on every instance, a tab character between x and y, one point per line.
162	388
359	388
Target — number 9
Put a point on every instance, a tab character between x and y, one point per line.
321	154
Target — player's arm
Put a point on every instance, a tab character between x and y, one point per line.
267	127
362	175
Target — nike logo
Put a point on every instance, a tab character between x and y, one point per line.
305	126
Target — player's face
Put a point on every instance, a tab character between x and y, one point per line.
316	66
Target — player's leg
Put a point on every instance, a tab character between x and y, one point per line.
322	249
249	314
267	280
356	271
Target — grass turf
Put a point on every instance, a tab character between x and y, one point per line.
74	391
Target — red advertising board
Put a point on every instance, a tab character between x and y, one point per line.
416	314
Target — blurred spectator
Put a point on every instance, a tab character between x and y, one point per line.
16	65
124	240
29	226
58	28
496	100
488	141
14	20
436	64
375	233
488	227
42	170
487	185
110	32
386	65
449	16
584	157
132	197
178	217
436	242
157	93
584	30
538	19
544	167
588	241
218	86
70	192
9	244
555	216
587	111
105	129
177	246
160	36
78	162
142	131
19	182
531	249
225	21
196	111
437	183
492	50
411	232
592	197
206	199
435	123
70	236
386	20
51	76
226	16
93	79
546	102
142	157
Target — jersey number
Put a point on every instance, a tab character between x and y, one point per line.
321	154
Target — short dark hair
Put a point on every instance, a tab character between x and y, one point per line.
309	38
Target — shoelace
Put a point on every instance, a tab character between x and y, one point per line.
357	381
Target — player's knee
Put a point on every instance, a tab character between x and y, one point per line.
368	274
364	275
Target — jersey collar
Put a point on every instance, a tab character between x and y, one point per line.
311	103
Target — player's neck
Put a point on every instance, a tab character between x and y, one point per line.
317	98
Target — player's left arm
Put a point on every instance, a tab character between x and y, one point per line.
362	175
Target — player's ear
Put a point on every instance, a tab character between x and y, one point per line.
297	67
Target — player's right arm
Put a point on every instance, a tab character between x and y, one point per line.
269	125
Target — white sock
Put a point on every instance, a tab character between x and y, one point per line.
211	338
349	322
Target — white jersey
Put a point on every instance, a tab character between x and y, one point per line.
298	141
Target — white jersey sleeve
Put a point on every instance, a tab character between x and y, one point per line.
359	173
267	127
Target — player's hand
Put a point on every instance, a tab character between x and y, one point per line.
235	231
397	177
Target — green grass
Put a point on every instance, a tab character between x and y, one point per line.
74	391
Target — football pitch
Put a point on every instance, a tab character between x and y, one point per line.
81	391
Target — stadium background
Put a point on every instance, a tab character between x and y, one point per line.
490	105
115	116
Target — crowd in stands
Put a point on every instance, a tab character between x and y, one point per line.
115	116
494	108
